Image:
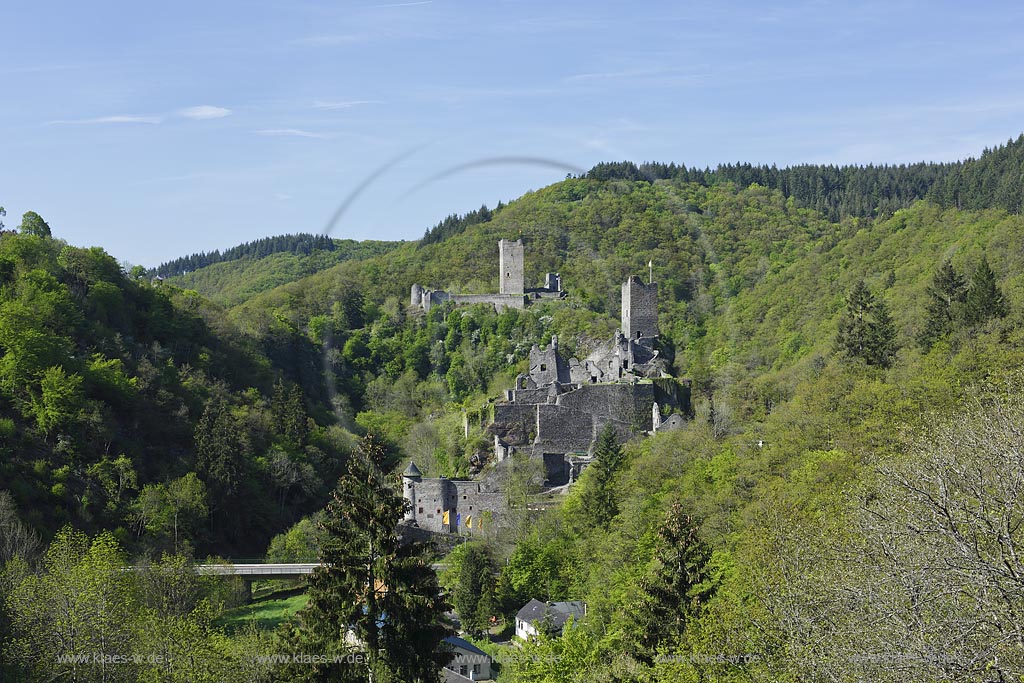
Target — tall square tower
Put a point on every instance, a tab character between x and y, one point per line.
510	264
639	308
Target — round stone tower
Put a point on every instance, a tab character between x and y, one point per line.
410	477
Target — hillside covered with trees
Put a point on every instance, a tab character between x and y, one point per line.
843	505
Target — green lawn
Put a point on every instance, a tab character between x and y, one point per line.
266	612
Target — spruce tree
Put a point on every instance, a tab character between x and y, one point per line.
944	308
882	343
867	330
984	300
473	596
678	588
855	333
374	595
598	496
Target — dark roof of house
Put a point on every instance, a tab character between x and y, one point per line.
463	644
554	614
454	677
412	470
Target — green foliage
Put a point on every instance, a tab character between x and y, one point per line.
81	604
33	224
240	273
83	616
94	363
678	588
165	509
598	505
301	543
570	658
297	244
266	614
991	181
59	402
473	593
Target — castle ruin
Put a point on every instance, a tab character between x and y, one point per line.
512	292
560	405
558	408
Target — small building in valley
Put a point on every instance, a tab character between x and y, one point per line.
468	662
547	617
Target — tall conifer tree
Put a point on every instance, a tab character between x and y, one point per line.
984	300
944	307
374	595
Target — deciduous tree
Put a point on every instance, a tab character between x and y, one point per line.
33	224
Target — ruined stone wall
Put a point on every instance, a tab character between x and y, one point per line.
431	298
627	403
530	395
499	301
461	499
428	298
672	392
547	366
473	500
563	429
514	423
443	542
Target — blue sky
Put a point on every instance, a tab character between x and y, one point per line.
159	129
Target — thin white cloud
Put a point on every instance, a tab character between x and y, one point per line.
204	111
200	113
119	118
342	104
293	132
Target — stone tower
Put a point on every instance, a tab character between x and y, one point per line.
510	264
639	308
410	477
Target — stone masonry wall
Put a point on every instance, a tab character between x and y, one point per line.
510	263
639	308
627	403
515	422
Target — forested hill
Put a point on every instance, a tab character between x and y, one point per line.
243	271
994	180
138	408
292	244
